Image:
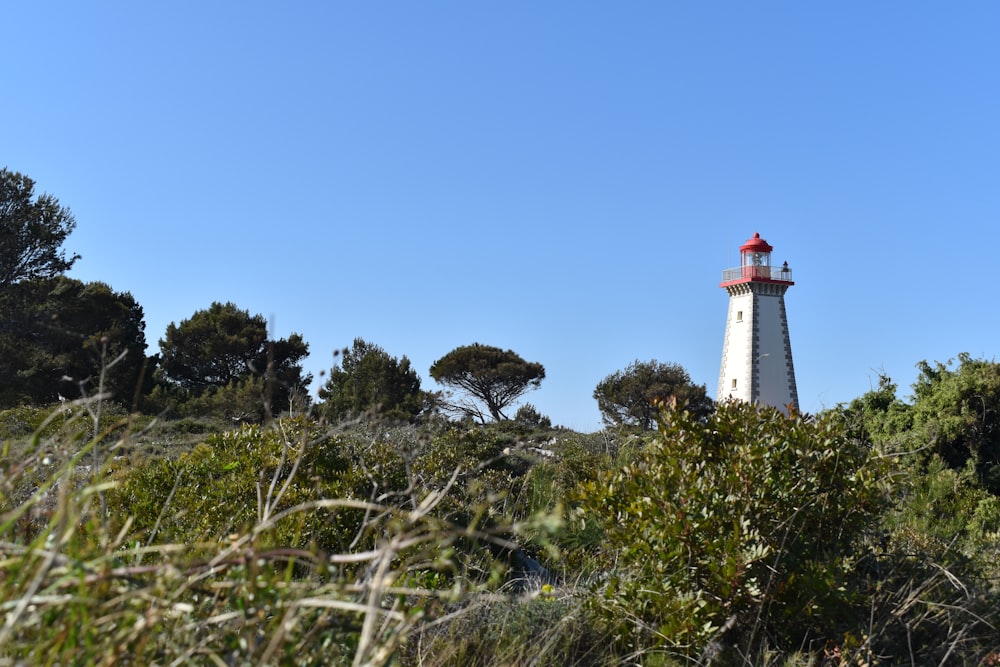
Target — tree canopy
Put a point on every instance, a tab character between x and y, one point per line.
368	379
224	345
630	396
958	409
954	416
32	231
493	378
59	335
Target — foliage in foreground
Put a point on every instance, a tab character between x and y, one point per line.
246	551
740	526
746	537
752	533
549	629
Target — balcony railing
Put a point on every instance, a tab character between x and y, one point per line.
759	272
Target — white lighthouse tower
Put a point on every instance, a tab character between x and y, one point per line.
757	354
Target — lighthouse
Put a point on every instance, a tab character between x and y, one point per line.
757	353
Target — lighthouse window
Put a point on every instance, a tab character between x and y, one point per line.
734	383
739	315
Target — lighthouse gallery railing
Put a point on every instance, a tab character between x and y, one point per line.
765	272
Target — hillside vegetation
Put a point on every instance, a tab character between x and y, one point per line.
868	534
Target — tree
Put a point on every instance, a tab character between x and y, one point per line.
878	416
630	397
32	230
529	416
958	411
61	337
368	379
954	416
492	376
224	345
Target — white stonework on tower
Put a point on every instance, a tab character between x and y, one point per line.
757	353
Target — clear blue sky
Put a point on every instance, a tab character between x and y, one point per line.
565	179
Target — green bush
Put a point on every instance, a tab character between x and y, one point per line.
22	420
933	570
236	479
239	402
742	526
933	581
73	417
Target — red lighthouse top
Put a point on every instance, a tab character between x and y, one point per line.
755	265
756	244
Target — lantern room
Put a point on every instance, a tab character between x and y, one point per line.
755	264
756	257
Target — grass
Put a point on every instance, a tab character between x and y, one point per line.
554	629
82	587
83	583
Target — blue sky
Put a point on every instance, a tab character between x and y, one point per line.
564	179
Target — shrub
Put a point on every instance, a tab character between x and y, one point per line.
933	578
239	402
529	417
742	525
236	479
